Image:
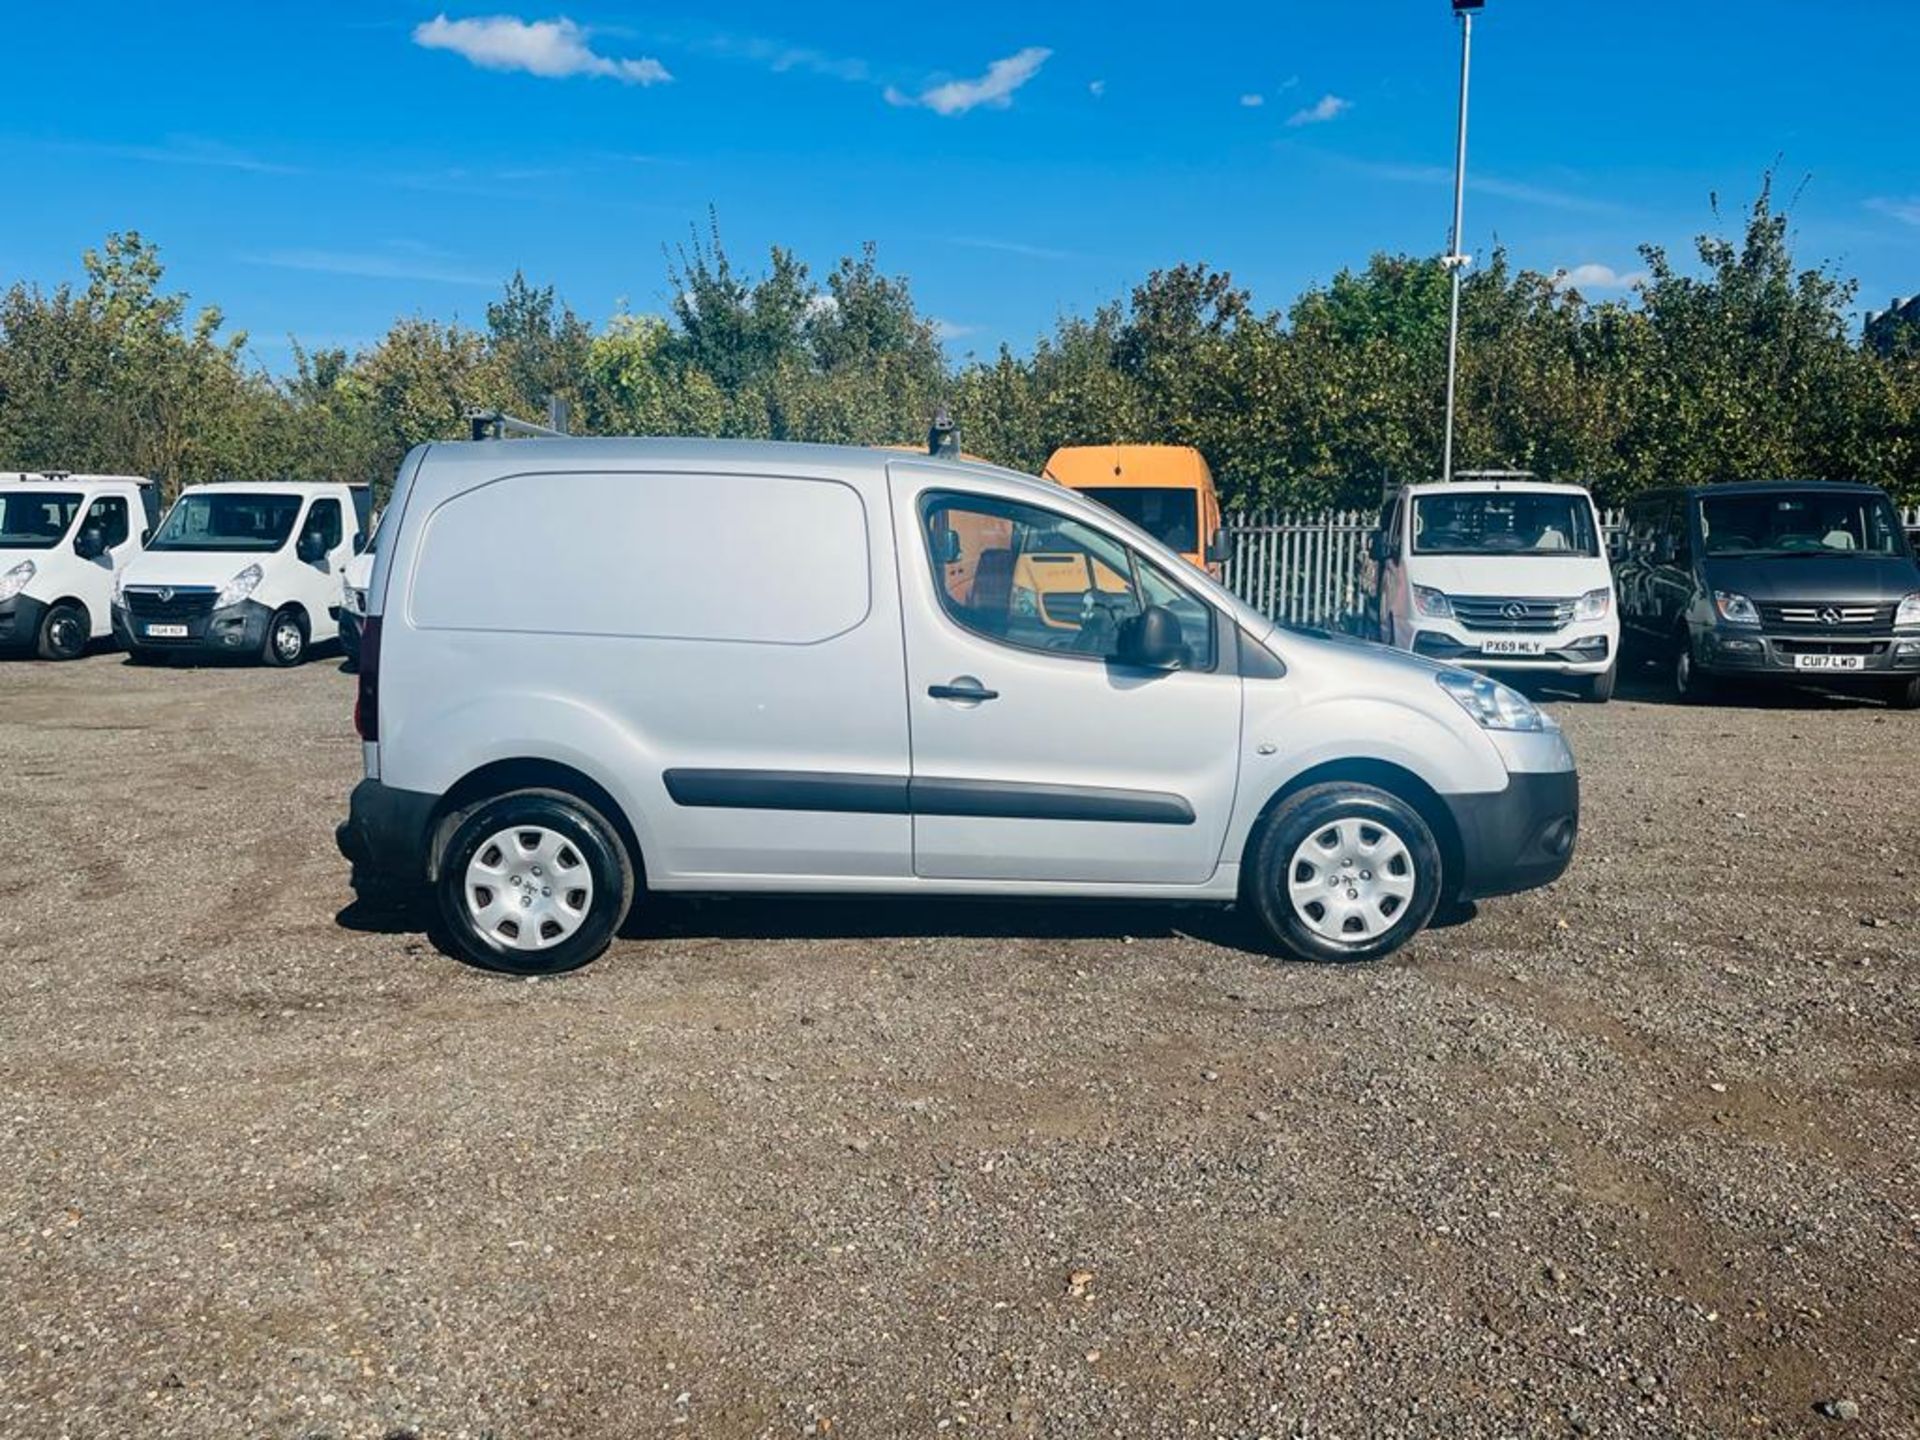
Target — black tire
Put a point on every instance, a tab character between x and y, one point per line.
145	655
1904	694
1599	688
594	843
1691	683
64	632
286	642
1316	810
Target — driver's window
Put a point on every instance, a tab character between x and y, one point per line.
109	515
323	521
1029	577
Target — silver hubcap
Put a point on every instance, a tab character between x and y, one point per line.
528	888
66	633
286	639
1350	881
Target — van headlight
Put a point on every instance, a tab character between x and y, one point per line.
1909	611
16	579
1493	705
1432	603
238	588
1594	605
1735	609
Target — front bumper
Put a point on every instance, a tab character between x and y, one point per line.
235	630
1583	648
1518	838
385	836
1777	656
20	621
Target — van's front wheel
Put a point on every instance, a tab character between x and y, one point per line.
65	631
1344	872
286	642
534	883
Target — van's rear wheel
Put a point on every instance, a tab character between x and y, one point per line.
1344	872
65	632
534	883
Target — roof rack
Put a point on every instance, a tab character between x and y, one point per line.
1494	475
497	424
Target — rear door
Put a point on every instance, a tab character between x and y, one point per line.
1035	756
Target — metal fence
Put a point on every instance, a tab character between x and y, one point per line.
1313	568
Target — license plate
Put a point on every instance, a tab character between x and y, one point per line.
167	632
1829	662
1513	647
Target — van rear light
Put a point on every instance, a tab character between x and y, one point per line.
366	705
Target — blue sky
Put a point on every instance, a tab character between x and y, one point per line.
319	168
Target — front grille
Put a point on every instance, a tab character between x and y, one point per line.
1511	615
179	605
1832	647
1814	616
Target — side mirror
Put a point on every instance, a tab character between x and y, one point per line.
949	547
1377	547
1151	639
146	537
90	543
1219	549
312	548
359	543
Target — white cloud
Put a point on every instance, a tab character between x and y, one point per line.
404	261
995	88
1597	277
945	330
1253	101
1327	107
552	49
1906	210
1011	247
1097	88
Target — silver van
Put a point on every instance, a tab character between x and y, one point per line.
596	668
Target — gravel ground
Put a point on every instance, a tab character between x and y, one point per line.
1636	1155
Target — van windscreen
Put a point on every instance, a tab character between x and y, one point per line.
1504	522
35	519
1800	522
1169	514
246	520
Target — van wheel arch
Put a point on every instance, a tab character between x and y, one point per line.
502	777
1382	775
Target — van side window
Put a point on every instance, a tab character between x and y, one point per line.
324	520
1025	576
108	514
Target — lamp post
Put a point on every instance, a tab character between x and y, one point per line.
1456	261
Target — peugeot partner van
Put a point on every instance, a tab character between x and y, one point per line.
63	541
1794	581
1507	575
249	570
566	703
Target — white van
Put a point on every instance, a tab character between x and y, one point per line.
1500	575
63	540
243	570
593	668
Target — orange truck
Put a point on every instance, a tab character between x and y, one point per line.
1167	490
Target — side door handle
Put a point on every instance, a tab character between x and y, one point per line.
966	689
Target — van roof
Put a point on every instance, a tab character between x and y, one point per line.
1777	487
798	457
62	477
1126	466
292	487
1490	487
